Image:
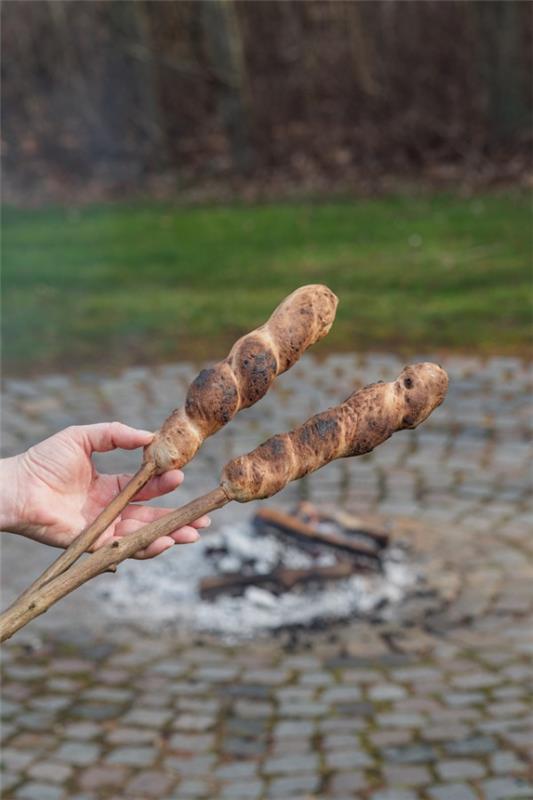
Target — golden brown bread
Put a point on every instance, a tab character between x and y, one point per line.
241	379
366	419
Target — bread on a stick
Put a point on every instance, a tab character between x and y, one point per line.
241	379
366	419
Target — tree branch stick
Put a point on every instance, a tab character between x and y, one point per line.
26	608
89	535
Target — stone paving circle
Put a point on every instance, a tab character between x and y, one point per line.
431	703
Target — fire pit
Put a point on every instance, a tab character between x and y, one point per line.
311	547
279	570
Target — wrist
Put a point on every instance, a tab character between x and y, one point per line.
12	504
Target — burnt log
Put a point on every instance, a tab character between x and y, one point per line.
357	526
282	578
311	536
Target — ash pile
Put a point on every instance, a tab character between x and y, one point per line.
306	546
304	569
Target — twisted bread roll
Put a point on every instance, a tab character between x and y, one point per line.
366	419
241	379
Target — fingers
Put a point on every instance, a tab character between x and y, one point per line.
202	522
156	548
144	514
147	514
132	518
135	517
109	486
185	535
162	484
105	436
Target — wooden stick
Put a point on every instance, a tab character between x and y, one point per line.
23	610
87	537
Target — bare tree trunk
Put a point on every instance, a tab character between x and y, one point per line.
225	54
130	137
501	30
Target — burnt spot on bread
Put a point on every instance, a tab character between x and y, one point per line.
203	379
325	426
363	446
256	367
274	455
212	399
316	442
275	448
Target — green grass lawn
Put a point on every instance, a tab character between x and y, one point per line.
115	285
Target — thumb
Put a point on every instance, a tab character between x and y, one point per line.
105	436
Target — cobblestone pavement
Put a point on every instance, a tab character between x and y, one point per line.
435	704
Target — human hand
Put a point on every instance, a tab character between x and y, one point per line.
53	491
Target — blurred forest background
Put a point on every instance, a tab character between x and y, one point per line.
118	92
168	105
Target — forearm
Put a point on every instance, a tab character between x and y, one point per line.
13	516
